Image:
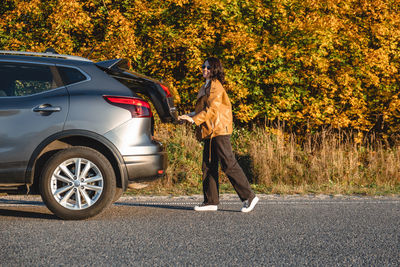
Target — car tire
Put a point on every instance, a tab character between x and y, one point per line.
77	183
118	193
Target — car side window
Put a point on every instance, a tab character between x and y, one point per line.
71	75
22	79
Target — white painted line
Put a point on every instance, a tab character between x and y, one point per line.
260	202
19	203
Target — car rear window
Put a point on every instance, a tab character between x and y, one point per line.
71	75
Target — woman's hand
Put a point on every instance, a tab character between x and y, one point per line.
186	118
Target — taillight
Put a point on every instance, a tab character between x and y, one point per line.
166	90
138	107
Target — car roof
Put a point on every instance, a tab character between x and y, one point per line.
44	57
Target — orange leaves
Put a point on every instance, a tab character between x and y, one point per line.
245	113
312	63
119	38
67	20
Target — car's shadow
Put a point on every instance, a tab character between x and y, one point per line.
15	211
12	208
27	214
20	202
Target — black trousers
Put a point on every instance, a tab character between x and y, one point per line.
221	150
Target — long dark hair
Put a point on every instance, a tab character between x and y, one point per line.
216	71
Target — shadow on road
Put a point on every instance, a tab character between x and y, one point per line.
163	206
153	206
29	206
26	214
21	202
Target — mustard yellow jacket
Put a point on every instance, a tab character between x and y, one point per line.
213	111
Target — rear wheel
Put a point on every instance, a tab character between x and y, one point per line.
77	183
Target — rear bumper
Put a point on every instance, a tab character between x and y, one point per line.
146	167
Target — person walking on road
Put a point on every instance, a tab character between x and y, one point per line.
213	116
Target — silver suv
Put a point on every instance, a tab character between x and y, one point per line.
77	131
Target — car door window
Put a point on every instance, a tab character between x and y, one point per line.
22	79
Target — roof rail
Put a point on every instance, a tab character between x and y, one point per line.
37	54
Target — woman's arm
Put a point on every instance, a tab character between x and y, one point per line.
214	102
187	117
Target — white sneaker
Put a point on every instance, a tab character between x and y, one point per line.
248	205
206	207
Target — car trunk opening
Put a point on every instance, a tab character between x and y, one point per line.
158	93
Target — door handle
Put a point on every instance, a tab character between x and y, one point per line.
46	108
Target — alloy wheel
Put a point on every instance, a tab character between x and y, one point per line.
77	183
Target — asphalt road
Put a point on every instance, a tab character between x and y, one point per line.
160	231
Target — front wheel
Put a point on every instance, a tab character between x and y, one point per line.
77	183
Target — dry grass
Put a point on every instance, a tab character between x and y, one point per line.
329	163
184	156
325	162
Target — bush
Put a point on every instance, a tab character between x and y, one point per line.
311	64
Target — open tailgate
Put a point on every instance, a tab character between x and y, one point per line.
159	94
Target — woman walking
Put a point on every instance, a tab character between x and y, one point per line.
213	115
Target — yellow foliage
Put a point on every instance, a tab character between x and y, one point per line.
311	63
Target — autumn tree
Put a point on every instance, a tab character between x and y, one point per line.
308	63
